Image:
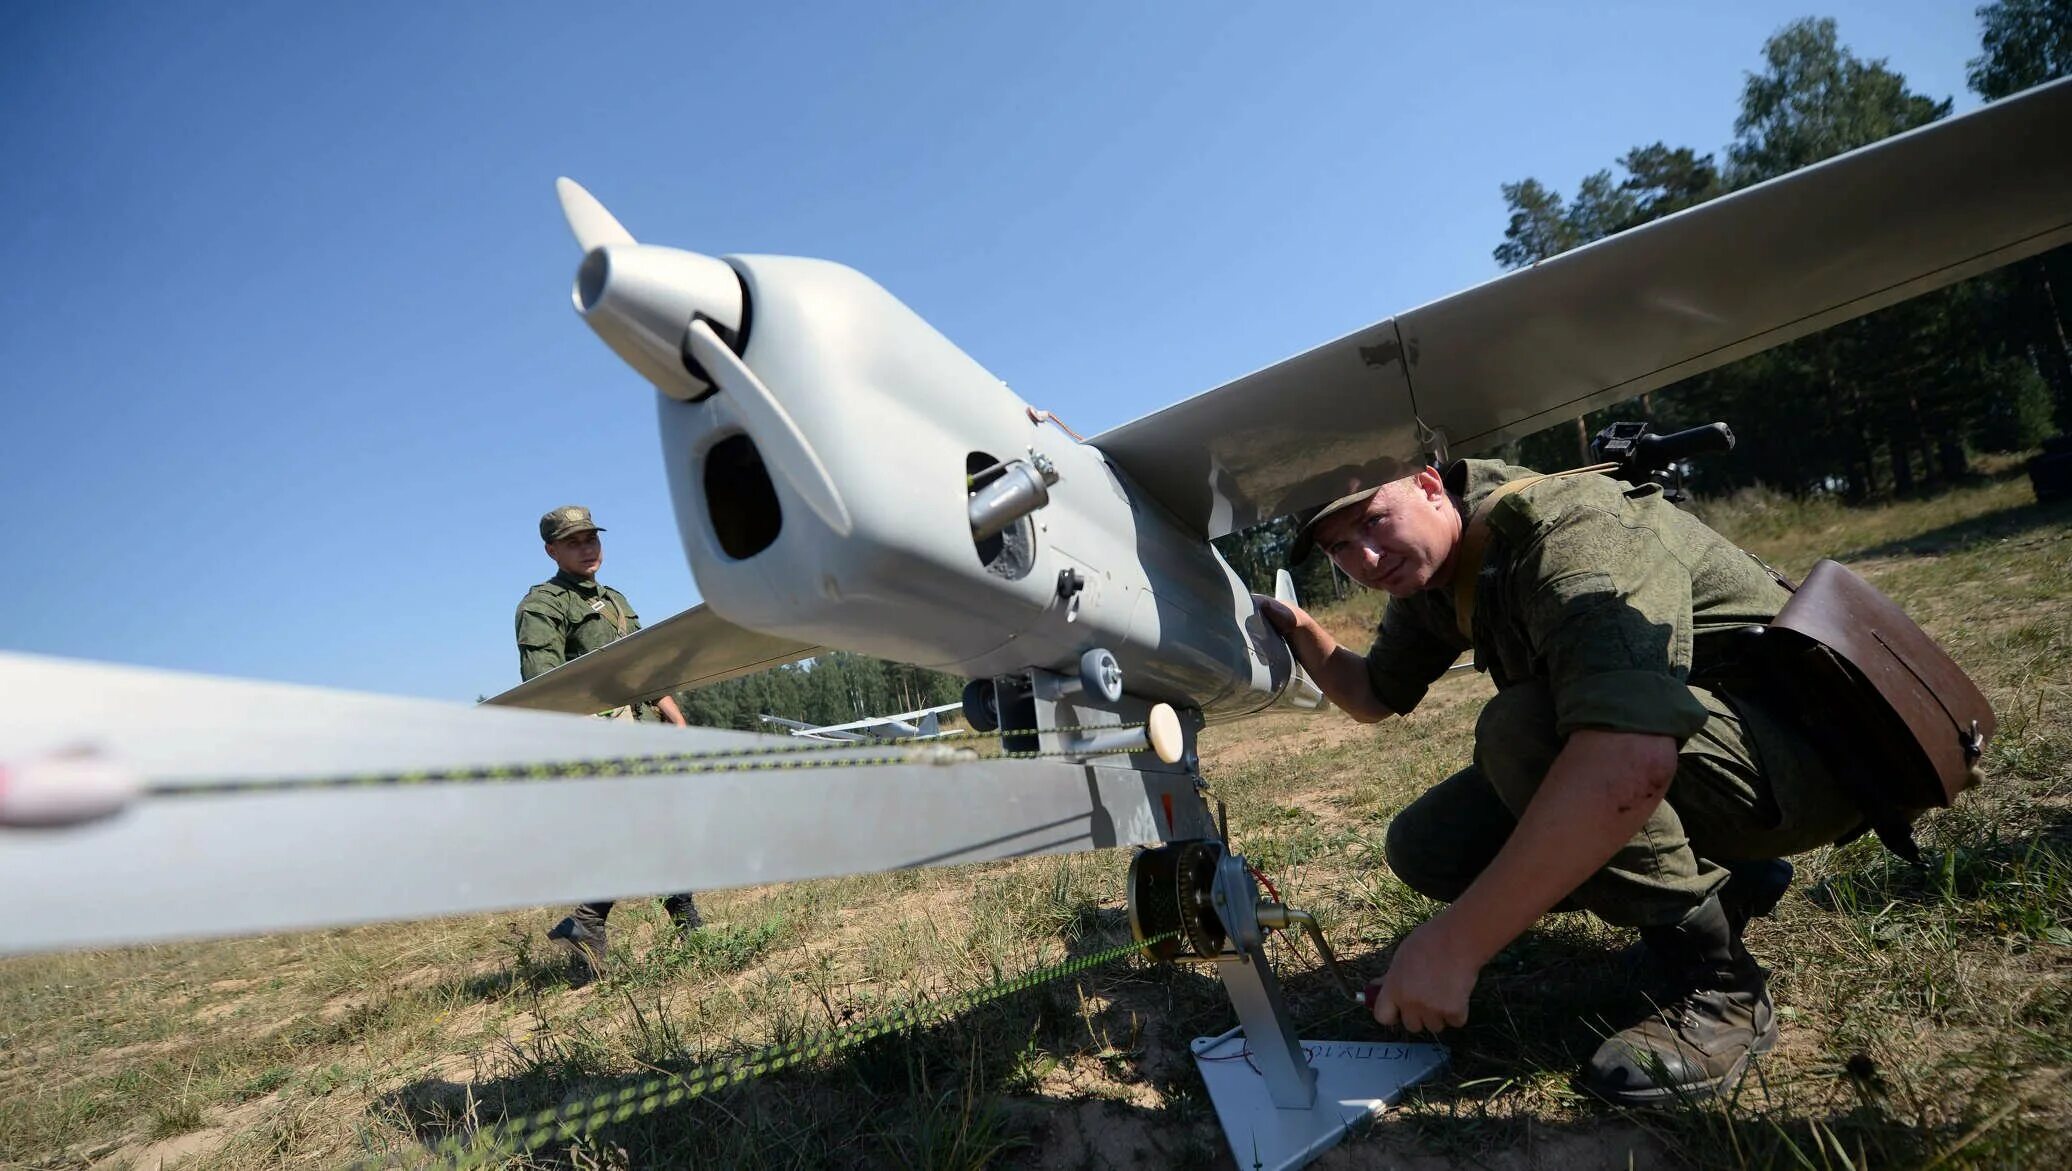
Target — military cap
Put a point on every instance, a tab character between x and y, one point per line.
1306	526
567	521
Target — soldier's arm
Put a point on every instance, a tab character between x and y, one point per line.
1606	607
1340	672
1601	789
542	639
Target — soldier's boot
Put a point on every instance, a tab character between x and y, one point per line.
683	911
1752	891
1699	1042
583	933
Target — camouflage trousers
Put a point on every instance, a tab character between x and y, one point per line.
1747	786
681	906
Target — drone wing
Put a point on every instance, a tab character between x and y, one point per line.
1619	317
802	728
902	724
694	649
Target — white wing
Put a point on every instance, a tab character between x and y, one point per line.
1620	317
804	729
902	724
696	648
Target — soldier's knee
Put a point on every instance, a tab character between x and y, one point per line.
1522	711
1515	742
1408	848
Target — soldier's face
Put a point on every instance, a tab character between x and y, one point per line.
579	555
1401	541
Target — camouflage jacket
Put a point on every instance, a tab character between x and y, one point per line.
1604	590
564	617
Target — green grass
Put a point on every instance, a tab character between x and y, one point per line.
1927	1013
177	1117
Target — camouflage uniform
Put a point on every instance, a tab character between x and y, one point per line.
564	617
558	620
1597	606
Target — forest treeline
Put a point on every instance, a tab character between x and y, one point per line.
1890	403
834	688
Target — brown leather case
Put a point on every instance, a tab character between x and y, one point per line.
1905	709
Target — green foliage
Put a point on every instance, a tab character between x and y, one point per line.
1258	553
954	1131
1540	225
180	1116
2025	43
1664	180
265	1082
1059	900
733	947
708	951
1659	180
2016	414
832	689
1602	206
1816	100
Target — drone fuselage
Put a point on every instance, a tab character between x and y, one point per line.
903	424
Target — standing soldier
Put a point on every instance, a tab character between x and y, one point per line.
567	615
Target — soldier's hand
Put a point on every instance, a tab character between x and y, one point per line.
1285	617
1427	985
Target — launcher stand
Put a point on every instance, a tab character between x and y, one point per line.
1282	1100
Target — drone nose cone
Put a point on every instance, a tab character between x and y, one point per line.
641	298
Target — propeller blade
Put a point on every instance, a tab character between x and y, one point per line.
594	227
784	448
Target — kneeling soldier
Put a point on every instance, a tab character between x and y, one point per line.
1607	775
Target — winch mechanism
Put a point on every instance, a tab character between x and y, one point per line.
1195	900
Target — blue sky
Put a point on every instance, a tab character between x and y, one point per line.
286	351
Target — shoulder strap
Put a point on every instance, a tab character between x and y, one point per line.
613	599
1474	542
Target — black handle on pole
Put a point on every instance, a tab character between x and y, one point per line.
1655	452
